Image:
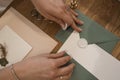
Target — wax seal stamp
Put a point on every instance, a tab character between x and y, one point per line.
82	43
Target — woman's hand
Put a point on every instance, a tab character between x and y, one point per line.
45	67
58	11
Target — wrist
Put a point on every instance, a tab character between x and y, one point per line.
5	74
19	71
13	72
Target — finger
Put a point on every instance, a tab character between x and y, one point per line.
77	20
67	18
65	77
75	27
62	15
57	55
58	21
43	54
69	75
73	12
66	70
64	1
62	61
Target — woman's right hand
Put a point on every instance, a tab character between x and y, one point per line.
45	67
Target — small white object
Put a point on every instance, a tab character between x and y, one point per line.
65	27
61	77
82	43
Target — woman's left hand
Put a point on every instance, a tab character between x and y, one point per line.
58	11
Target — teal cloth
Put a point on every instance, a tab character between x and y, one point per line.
94	34
79	72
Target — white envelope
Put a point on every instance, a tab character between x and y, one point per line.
93	58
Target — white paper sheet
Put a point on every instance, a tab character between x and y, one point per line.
97	61
28	31
17	48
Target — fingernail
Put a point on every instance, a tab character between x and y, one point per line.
63	52
73	65
66	51
71	56
62	25
82	22
79	30
76	14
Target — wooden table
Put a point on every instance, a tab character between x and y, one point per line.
105	12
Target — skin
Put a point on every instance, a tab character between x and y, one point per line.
47	66
58	11
41	67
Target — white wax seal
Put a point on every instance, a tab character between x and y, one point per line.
82	43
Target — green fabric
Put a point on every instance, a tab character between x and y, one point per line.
80	73
93	33
63	35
